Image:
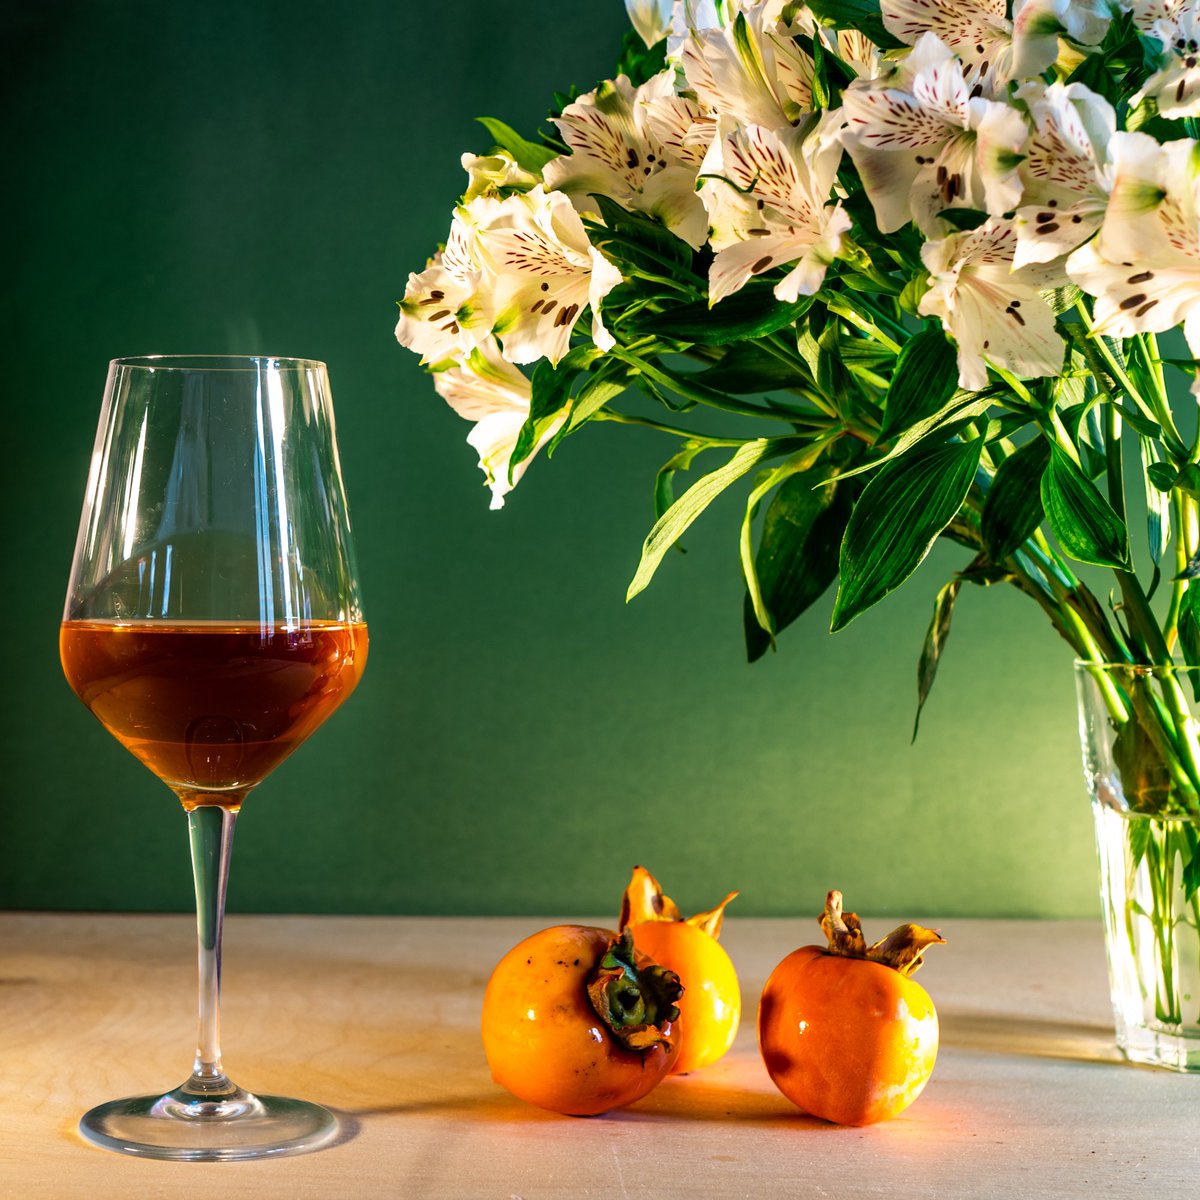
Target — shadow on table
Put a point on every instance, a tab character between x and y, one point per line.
688	1098
1029	1036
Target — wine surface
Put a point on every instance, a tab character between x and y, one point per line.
211	707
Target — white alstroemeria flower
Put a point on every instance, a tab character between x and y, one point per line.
543	272
1144	265
489	174
685	129
749	71
922	143
1147	13
616	152
856	50
1038	24
993	312
446	310
491	392
978	31
993	48
651	19
1175	87
1064	175
766	192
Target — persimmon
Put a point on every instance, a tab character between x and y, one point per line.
711	1006
845	1033
576	1021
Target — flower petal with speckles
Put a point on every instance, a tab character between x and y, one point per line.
1064	173
444	313
766	192
616	151
993	313
978	31
492	393
544	272
1144	266
1175	87
749	71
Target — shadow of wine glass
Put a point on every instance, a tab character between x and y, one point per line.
1029	1037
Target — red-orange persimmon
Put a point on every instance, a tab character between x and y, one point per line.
844	1032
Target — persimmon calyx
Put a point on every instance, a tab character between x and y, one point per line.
903	949
634	1002
644	901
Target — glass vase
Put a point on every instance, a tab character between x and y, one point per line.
1140	759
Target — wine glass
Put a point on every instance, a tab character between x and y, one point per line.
212	622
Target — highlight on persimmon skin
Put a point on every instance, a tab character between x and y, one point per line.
711	1007
845	1033
576	1021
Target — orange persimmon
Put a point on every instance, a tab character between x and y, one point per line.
576	1021
711	1006
845	1033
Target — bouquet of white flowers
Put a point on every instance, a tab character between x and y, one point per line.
929	243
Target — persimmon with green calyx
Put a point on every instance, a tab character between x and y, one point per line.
576	1021
845	1032
712	1001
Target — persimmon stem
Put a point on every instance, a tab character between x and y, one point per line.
903	949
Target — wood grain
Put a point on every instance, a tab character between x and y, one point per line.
377	1018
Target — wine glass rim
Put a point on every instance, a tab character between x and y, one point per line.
216	362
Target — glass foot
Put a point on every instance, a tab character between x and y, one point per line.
188	1126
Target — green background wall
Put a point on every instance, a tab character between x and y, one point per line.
260	177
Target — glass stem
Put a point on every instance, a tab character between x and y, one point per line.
210	830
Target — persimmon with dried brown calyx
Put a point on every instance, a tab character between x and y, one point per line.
845	1032
711	1006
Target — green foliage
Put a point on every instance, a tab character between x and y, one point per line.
672	524
925	378
751	313
896	520
935	643
639	62
863	15
797	556
1012	510
1084	523
526	154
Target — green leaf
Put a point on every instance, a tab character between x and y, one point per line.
1191	868
668	528
963	219
935	643
664	481
1012	509
897	519
604	385
1189	634
550	392
527	154
643	241
1084	522
863	15
1158	505
751	313
1162	475
1188	480
798	549
639	62
963	407
926	377
1145	780
748	369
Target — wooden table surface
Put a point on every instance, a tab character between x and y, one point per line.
377	1018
